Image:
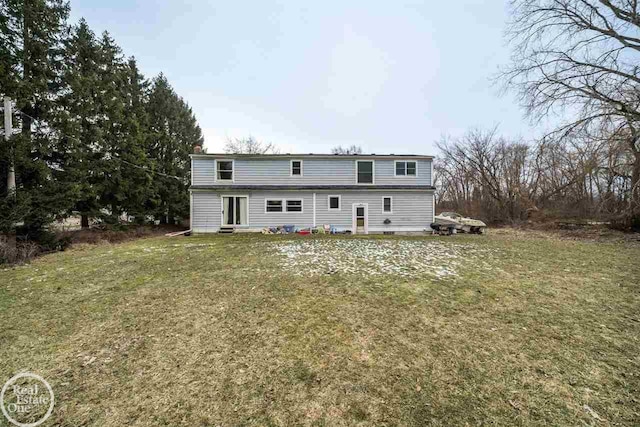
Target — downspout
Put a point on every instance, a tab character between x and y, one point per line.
314	210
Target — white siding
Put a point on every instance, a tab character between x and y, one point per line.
330	171
203	171
206	211
258	218
412	210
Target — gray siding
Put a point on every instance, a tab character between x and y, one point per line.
258	218
412	210
315	172
206	212
202	171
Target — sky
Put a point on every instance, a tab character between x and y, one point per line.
389	76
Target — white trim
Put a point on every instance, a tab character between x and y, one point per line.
329	208
233	170
314	209
191	210
354	225
284	205
433	205
222	224
405	169
395	190
373	172
291	168
315	156
273	200
391	211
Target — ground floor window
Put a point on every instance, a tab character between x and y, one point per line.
294	205
279	205
334	203
274	206
387	205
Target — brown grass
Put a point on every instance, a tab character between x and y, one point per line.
214	331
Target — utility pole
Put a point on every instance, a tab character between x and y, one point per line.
8	131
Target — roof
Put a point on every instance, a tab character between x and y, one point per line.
313	155
312	187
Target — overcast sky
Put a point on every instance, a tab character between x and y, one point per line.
391	76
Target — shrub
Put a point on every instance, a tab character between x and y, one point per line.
15	252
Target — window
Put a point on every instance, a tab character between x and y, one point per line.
364	171
387	205
224	170
334	203
273	206
405	168
296	167
294	205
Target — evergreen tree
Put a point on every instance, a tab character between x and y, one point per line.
95	137
31	36
173	132
136	183
111	104
81	136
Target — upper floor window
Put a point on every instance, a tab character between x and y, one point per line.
296	167
404	168
364	171
224	170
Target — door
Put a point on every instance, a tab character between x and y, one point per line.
360	218
234	210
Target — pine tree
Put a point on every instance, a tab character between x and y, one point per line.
31	35
173	132
81	136
112	115
136	183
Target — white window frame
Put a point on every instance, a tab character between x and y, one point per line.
246	196
395	162
274	200
373	172
329	208
286	207
291	168
387	197
233	170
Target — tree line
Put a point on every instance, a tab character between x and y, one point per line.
93	136
574	62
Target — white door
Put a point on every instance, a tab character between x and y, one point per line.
234	210
360	218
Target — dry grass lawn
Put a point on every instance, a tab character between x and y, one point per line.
263	330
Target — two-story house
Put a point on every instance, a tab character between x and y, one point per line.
362	193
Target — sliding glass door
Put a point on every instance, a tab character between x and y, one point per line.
234	210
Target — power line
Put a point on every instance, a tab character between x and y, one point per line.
147	169
118	158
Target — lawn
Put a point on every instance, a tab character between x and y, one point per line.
505	329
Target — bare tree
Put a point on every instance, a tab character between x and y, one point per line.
352	149
249	146
578	59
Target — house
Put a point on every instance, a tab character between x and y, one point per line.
362	193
